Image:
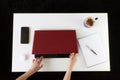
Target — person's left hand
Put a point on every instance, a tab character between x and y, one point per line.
36	65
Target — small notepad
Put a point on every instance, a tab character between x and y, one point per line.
93	50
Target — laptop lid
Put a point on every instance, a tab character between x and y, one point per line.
54	42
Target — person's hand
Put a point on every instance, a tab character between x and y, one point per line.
73	59
36	65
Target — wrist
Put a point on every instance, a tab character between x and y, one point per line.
32	71
70	67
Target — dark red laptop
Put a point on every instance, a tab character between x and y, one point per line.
54	42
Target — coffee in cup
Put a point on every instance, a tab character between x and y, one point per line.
89	22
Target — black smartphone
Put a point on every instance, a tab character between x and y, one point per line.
24	35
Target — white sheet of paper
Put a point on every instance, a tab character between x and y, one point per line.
95	43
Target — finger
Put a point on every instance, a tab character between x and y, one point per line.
39	59
75	56
41	65
33	60
72	55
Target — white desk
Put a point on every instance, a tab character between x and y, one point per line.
38	21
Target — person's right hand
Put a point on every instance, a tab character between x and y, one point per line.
73	59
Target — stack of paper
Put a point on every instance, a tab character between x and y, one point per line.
93	50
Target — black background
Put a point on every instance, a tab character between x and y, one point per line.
8	7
